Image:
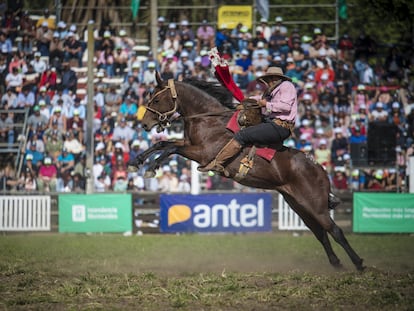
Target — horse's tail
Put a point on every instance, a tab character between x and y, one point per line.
333	200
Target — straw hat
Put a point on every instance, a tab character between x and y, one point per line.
272	73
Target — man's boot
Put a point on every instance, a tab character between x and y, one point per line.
227	152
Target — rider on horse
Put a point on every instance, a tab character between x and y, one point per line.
278	107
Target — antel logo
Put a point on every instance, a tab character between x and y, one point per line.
219	215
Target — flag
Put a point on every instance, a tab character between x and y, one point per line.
263	8
342	9
223	75
134	8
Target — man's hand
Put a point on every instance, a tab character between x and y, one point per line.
262	102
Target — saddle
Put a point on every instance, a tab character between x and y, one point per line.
249	113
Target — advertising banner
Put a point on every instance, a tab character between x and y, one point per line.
383	212
216	213
231	15
95	213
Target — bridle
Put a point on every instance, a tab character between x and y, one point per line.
164	118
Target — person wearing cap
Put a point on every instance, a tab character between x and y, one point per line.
169	67
39	65
48	79
73	48
242	69
56	48
260	50
123	132
279	23
339	146
149	74
44	35
185	31
65	162
185	66
47	176
379	114
279	109
37	118
33	154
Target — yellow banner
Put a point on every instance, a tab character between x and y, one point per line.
230	15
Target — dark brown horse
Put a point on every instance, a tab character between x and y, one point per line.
303	183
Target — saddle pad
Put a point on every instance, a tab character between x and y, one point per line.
265	153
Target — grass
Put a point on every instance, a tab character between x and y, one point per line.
202	272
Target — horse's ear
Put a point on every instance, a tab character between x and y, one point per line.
158	77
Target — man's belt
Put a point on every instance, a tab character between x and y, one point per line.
283	123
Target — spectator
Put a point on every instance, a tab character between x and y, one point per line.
185	66
106	61
34	156
339	146
77	109
65	163
129	108
205	36
242	69
47	176
25	98
76	125
9	99
379	114
14	79
6	128
59	119
120	57
38	64
37	121
168	181
53	143
48	79
44	36
73	145
162	30
27	26
169	68
57	48
69	79
339	180
46	19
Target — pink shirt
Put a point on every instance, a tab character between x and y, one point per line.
283	103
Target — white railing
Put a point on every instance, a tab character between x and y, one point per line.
288	219
25	213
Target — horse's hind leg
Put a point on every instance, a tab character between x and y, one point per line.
339	237
320	233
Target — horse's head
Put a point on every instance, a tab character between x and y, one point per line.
162	105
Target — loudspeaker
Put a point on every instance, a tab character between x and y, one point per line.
359	154
382	141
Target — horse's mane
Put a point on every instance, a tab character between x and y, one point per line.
214	89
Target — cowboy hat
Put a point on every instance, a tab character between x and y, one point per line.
273	72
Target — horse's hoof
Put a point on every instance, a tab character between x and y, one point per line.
149	174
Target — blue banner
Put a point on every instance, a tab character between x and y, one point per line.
216	213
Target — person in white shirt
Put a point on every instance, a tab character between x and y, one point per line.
38	64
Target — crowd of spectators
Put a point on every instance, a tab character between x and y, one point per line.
342	88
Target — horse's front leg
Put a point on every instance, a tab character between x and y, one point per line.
159	146
150	171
